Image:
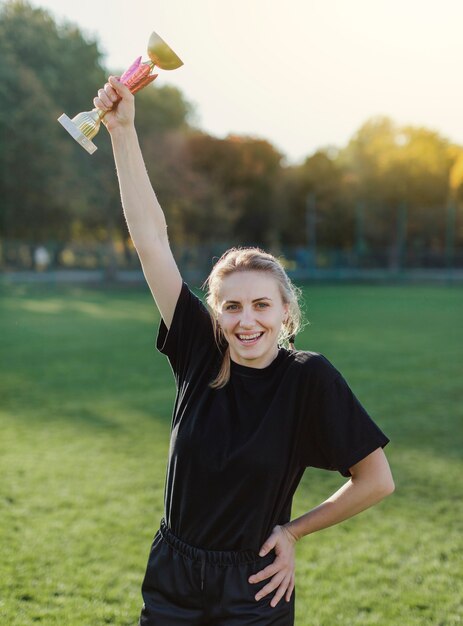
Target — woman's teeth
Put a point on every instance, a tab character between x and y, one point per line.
249	338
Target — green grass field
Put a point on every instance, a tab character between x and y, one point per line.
84	433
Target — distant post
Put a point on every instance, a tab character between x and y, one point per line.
455	186
402	235
359	231
450	233
311	227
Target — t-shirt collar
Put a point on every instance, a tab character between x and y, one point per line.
245	370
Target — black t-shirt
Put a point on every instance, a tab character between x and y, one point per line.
237	454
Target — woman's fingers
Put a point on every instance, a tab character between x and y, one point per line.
111	93
281	590
117	102
104	98
121	90
273	584
99	104
289	591
264	573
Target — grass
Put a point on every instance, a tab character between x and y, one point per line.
85	412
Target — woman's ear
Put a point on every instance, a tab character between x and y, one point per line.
218	320
286	315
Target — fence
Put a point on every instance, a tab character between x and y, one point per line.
114	261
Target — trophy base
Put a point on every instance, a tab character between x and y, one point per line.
72	129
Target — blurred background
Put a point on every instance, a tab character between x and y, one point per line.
326	132
330	136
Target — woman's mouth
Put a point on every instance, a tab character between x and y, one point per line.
249	339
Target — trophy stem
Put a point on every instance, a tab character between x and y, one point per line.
88	122
83	127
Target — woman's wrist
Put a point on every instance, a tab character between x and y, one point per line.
122	131
291	531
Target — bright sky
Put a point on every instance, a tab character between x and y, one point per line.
301	73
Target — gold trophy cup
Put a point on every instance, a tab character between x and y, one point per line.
84	126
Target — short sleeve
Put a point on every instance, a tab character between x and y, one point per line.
339	431
189	341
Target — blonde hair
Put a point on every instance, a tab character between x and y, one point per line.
251	259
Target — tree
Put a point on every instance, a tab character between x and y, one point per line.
320	177
247	173
402	174
41	66
47	69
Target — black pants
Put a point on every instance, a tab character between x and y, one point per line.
188	586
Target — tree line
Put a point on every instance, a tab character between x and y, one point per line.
389	182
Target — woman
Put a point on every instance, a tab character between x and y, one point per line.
249	416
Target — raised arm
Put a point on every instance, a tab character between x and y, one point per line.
143	213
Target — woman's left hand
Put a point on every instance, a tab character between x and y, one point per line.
282	568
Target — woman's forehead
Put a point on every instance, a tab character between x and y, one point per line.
248	285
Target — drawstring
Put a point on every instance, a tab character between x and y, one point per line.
203	567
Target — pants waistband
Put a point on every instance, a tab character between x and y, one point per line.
217	557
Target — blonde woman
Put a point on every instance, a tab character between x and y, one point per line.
250	415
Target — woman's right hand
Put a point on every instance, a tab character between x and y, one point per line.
118	101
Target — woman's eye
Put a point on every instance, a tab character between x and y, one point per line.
234	307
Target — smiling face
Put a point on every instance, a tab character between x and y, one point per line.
250	313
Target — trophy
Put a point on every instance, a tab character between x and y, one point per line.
84	126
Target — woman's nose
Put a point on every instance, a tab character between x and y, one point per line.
247	318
